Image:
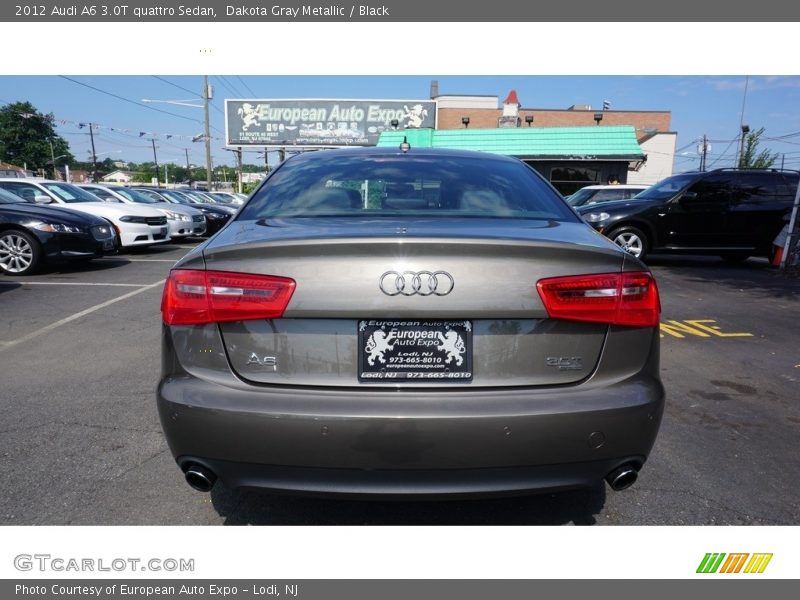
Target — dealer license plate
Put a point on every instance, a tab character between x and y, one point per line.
394	350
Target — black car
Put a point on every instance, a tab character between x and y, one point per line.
31	235
216	216
733	213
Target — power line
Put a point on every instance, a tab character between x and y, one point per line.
224	82
247	87
128	100
177	86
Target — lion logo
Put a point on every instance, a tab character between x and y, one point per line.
453	345
378	343
249	115
416	115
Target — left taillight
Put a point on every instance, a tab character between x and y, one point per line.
194	297
629	298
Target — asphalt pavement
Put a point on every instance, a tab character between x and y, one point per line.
80	440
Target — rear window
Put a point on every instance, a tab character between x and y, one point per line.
405	185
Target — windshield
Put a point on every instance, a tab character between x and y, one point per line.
221	198
70	193
9	198
406	185
667	188
175	197
135	196
194	195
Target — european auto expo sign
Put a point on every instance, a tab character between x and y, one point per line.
321	122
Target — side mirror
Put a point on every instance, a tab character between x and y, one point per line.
42	199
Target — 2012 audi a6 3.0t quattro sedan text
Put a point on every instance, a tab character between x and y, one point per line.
409	322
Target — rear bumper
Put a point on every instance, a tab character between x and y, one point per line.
438	442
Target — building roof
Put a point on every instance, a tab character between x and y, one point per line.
512	98
577	143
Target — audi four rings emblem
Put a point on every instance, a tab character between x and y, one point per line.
421	283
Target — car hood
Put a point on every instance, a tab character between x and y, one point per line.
522	230
113	210
208	207
52	214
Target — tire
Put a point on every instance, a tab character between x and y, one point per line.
20	253
632	240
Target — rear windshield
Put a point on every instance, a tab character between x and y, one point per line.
404	185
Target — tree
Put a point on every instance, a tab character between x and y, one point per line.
750	158
26	136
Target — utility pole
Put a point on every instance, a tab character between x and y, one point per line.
206	129
239	166
94	155
188	168
703	151
281	154
155	160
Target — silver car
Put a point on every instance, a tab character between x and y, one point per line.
409	322
182	221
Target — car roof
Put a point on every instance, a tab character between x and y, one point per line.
395	151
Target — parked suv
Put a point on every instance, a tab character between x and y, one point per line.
732	213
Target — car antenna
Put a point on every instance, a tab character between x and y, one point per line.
405	146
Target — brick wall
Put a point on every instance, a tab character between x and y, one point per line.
450	118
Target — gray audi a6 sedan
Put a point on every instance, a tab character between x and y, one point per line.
409	322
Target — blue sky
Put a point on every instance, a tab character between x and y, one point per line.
700	105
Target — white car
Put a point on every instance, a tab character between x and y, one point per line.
135	225
182	221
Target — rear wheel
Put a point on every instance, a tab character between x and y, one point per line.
631	240
20	253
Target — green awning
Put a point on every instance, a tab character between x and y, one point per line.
553	143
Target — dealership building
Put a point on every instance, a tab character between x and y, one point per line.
572	148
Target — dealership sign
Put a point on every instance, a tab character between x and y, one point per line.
321	122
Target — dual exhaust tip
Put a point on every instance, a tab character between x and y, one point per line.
203	479
199	477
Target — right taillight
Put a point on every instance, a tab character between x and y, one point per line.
614	298
193	297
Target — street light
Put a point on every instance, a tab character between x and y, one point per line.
53	162
178	102
207	95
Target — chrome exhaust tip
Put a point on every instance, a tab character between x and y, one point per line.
200	478
622	477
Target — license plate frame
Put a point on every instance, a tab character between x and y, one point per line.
411	350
